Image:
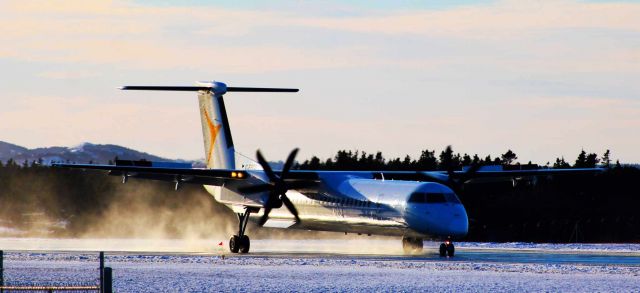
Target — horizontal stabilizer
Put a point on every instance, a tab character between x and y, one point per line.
207	88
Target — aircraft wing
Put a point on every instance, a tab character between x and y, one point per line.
237	179
439	176
177	175
535	172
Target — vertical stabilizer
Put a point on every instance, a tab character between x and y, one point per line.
218	144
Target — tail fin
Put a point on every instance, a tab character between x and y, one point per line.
218	144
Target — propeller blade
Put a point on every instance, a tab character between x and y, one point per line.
255	188
265	216
291	207
434	178
267	208
277	186
473	169
289	163
451	172
265	166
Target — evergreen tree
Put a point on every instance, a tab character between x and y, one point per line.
606	161
475	160
379	161
446	159
427	161
11	163
508	157
592	160
407	163
466	160
581	161
561	164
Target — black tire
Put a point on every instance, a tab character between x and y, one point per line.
412	245
234	243
443	250
406	246
451	250
245	243
418	245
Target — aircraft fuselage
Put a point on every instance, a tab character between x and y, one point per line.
347	203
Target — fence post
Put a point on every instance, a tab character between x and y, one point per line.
1	271
108	280
101	271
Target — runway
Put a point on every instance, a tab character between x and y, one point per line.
327	265
497	256
364	248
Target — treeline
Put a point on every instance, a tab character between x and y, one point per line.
39	200
446	159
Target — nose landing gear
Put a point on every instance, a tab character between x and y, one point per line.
447	248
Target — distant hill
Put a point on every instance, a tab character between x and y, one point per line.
81	154
10	150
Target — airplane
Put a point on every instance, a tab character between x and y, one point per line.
414	205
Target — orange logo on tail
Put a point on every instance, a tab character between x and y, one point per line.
213	134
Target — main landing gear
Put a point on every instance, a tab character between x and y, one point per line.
412	245
240	243
447	248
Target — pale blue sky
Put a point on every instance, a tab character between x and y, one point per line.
543	78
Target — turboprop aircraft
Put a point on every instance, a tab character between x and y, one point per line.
413	205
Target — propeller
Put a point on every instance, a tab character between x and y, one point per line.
277	187
454	180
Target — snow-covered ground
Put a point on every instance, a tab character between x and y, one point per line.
364	245
270	268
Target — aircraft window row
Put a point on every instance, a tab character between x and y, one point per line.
433	197
348	201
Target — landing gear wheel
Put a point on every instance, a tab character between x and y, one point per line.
443	250
447	249
240	242
234	244
244	244
412	245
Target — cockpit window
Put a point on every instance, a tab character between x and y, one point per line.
433	197
452	198
418	197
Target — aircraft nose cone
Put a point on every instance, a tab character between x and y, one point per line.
439	220
459	225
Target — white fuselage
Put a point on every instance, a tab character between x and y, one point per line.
367	206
